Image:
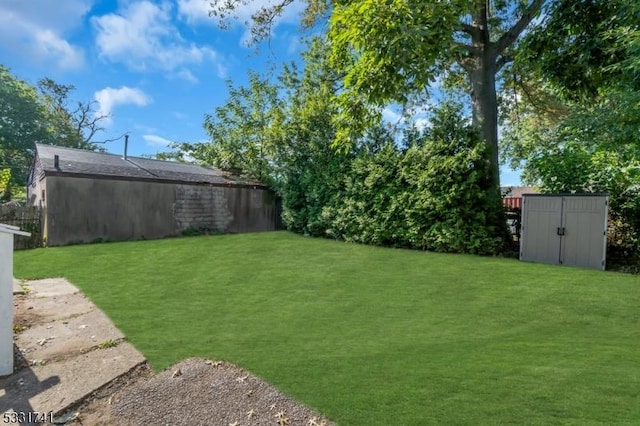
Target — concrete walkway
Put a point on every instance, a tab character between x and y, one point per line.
72	349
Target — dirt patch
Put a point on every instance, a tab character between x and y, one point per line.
24	313
192	392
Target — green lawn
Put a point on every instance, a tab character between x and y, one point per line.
375	336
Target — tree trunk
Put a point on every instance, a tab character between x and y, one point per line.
483	64
485	118
482	69
485	107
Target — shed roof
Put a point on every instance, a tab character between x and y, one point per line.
80	162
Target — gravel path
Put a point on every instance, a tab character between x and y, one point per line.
195	392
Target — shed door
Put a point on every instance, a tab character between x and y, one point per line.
543	216
585	240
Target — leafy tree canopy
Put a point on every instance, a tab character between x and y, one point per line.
22	123
574	123
394	50
29	115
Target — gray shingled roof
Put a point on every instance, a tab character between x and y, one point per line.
91	163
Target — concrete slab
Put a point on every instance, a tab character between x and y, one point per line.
62	339
57	307
51	287
56	386
63	336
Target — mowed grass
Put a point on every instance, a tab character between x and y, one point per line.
375	336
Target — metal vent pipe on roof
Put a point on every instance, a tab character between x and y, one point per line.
126	145
56	161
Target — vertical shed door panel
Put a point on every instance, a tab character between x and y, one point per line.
542	216
585	221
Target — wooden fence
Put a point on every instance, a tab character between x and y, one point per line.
27	218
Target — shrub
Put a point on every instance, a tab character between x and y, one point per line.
436	195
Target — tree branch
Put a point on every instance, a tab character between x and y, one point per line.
502	61
465	47
472	30
87	122
114	139
514	32
479	22
262	20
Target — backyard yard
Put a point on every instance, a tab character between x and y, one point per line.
370	335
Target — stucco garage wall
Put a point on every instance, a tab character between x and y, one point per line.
87	209
84	210
252	210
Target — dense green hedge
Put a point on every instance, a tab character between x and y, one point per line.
430	192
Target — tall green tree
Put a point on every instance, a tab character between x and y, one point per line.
22	124
392	50
29	115
578	51
313	173
433	194
244	132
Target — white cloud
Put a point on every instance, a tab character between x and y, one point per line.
187	75
156	141
34	30
64	54
58	16
108	98
194	10
223	72
143	37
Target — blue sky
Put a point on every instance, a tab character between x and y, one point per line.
156	67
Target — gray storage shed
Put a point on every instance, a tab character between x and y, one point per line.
565	229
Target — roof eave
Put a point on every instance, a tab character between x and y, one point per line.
59	173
